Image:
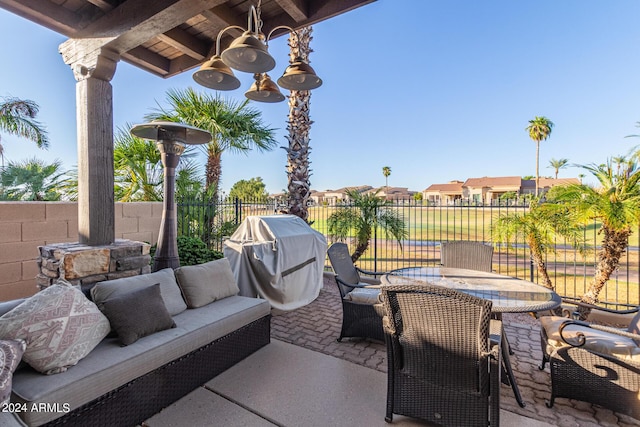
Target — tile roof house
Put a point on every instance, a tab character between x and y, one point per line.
487	190
445	194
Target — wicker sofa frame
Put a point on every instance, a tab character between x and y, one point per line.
144	396
602	379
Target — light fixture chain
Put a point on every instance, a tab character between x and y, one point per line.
259	17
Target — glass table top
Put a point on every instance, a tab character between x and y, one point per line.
508	294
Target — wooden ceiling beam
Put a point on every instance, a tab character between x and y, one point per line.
221	17
103	5
185	43
148	61
297	9
181	64
45	13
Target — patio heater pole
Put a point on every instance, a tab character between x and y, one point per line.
171	139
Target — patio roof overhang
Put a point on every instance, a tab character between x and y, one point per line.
163	37
167	37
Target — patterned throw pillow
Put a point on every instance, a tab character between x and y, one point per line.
10	355
60	326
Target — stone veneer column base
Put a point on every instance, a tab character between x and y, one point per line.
84	265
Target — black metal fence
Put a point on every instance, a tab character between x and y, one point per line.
428	226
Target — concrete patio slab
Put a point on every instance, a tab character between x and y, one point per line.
287	385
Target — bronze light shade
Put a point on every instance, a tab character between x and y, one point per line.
264	90
299	76
247	53
215	74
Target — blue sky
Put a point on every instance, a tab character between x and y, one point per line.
444	92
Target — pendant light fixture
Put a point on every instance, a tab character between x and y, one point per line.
250	53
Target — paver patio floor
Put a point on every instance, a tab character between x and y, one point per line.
317	325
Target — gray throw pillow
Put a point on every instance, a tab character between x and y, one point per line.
168	289
137	314
204	283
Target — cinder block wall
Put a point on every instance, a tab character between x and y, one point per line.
26	225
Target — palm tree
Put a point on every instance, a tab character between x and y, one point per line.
299	125
558	164
17	117
616	205
618	160
538	227
386	171
233	126
539	129
33	179
365	213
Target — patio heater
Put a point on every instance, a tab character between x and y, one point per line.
171	139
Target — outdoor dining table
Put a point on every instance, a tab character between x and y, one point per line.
508	294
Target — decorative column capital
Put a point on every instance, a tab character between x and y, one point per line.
88	58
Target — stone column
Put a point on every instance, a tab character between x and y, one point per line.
93	69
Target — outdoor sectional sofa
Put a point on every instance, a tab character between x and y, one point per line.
125	385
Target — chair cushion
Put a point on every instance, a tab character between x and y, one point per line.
137	314
364	296
205	283
168	289
597	341
60	326
634	325
10	355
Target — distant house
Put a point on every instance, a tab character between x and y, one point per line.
443	194
393	193
487	190
331	197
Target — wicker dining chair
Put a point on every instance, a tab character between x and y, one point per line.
469	255
358	295
443	356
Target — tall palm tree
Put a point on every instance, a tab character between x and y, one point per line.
386	171
33	179
233	127
616	205
619	161
17	117
365	213
539	129
538	227
299	125
558	164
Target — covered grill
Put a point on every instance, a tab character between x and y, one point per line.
279	258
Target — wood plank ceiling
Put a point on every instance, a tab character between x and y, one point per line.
167	37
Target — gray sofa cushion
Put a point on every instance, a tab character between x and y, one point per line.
110	366
137	314
168	289
204	283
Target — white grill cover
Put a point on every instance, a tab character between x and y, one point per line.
278	258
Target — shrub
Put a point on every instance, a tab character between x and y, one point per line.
192	250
